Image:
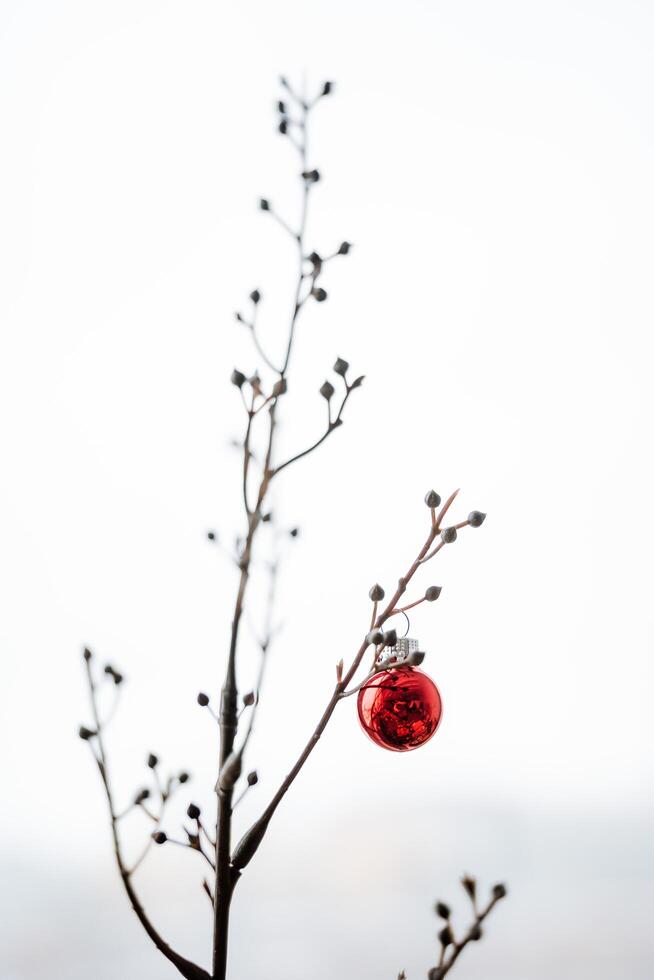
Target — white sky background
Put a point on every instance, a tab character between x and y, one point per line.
493	165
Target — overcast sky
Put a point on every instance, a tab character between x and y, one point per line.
492	164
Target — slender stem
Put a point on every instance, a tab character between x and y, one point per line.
225	874
262	354
247	455
471	936
252	839
411	605
186	967
306	186
328	431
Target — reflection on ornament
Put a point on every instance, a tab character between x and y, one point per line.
400	709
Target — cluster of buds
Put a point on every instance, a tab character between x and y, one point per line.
327	389
285	116
115	675
450	946
317	261
110	674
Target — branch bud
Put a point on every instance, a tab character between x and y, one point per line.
390	638
327	390
344	248
142	796
153	761
445	936
376	593
374	638
159	837
280	388
283	126
448	535
203	700
475	932
327	88
248	699
253	778
311	176
476	518
499	891
255	296
415	658
87	654
237	378
433	593
264	205
341	366
470	887
183	777
86	733
319	294
432	499
115	675
443	910
193	811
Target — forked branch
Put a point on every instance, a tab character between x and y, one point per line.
95	739
261	397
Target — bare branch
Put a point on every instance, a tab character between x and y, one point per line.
331	426
186	967
225	874
451	948
257	474
250	842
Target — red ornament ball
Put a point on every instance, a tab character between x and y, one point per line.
400	709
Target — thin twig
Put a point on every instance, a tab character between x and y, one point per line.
186	967
450	952
338	421
225	876
250	842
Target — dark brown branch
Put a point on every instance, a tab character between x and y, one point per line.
186	967
338	421
225	874
252	327
250	842
207	890
451	948
228	867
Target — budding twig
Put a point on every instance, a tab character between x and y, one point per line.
186	967
451	948
250	842
226	874
261	405
331	426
